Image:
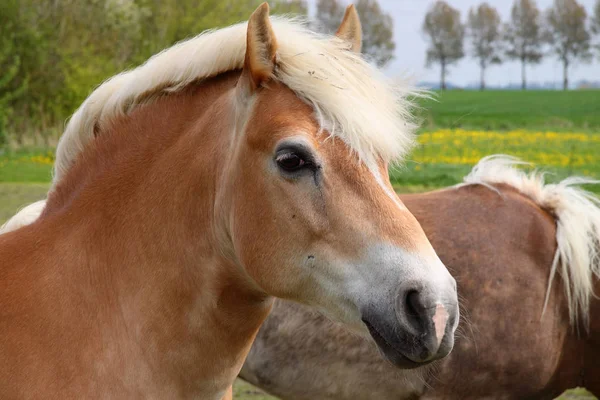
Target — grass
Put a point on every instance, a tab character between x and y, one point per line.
443	157
26	165
14	196
577	394
245	391
507	110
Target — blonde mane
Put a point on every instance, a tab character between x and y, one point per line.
351	98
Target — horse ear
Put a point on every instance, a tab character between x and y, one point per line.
350	29
261	48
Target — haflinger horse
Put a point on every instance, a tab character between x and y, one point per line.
525	333
246	163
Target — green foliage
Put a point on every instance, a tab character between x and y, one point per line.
57	51
289	7
10	64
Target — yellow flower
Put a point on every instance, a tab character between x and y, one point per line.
545	148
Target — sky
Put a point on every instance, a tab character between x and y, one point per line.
411	46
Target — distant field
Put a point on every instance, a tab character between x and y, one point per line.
507	110
445	156
14	196
27	165
556	131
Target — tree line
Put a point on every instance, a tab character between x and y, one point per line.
564	31
54	52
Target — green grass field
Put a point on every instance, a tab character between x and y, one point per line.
556	131
13	196
507	110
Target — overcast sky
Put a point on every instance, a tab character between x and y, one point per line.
408	17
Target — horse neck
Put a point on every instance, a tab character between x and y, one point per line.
144	219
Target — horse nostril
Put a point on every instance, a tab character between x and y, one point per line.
414	307
412	311
418	309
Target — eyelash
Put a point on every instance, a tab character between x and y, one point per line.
298	160
282	158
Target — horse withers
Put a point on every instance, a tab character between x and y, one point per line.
246	163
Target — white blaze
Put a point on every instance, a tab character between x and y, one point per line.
440	318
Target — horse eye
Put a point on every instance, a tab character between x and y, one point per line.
290	162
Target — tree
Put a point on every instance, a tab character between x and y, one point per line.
329	15
297	7
377	32
165	22
445	33
377	27
484	30
567	34
596	24
9	64
523	36
17	43
62	49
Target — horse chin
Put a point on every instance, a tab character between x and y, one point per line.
391	349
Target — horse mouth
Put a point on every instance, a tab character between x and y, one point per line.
391	351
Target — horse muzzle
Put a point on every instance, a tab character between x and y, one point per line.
417	330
